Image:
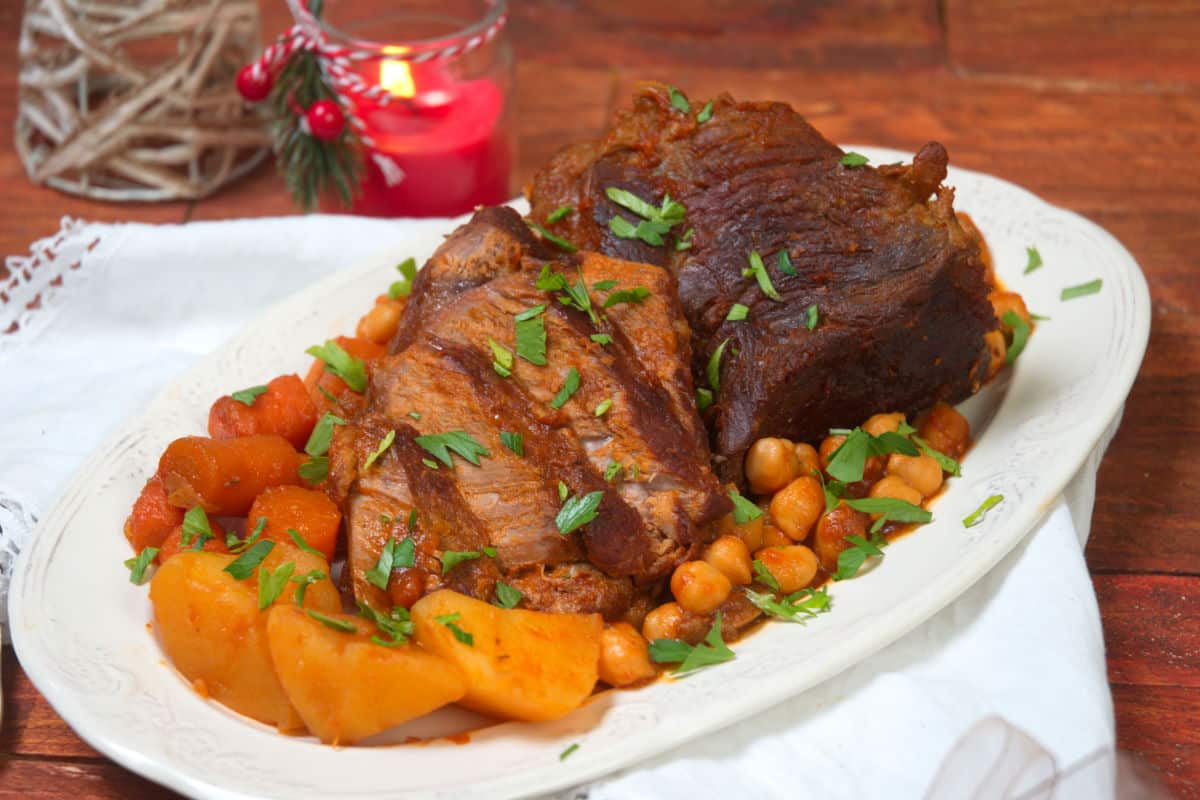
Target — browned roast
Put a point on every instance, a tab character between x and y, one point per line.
659	496
898	283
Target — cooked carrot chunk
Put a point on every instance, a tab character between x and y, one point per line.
173	544
225	475
285	408
308	512
152	518
323	384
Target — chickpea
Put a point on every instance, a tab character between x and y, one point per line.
793	567
828	447
771	464
895	488
922	472
749	532
797	506
379	324
773	537
624	656
664	622
731	557
946	430
810	460
832	529
699	587
997	351
883	423
1003	302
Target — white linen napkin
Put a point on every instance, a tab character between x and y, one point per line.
137	304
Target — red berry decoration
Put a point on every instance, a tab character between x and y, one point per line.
254	83
325	120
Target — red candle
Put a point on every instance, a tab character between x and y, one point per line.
440	145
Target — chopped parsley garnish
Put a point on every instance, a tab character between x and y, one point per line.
612	470
507	596
557	241
327	395
246	396
314	470
449	621
244	565
394	554
853	159
603	407
758	270
704	398
633	471
137	565
851	559
429	462
811	317
947	463
785	263
635	295
322	434
415	415
764	575
655	222
380	449
559	214
1020	335
306	580
705	113
340	363
302	544
403	287
577	512
570	386
502	358
452	558
574	295
440	445
713	369
340	625
737	312
196	530
1082	290
976	516
849	460
743	509
685	242
531	335
272	583
239	546
690	658
891	509
565	753
490	551
1034	259
601	338
796	607
396	625
679	101
513	441
604	286
563	491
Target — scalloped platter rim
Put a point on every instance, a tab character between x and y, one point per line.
104	672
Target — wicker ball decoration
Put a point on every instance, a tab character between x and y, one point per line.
135	99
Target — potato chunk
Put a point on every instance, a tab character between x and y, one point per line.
211	629
520	664
344	686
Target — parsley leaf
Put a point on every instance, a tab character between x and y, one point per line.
513	441
601	338
679	101
502	358
764	575
713	369
563	491
271	584
314	470
759	271
785	263
380	449
452	558
705	113
737	313
322	434
559	214
655	222
302	544
685	242
604	286
246	396
853	159
429	462
691	658
575	295
440	445
849	460
704	398
947	463
337	361
566	753
306	580
570	386
196	530
397	624
531	335
603	407
851	559
340	625
811	317
743	509
1020	335
577	512
403	287
557	241
449	621
1034	259
235	546
893	510
796	607
394	554
1082	290
976	516
507	596
635	295
137	566
244	565
612	470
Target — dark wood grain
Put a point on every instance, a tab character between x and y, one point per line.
1093	105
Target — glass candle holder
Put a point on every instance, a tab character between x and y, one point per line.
441	140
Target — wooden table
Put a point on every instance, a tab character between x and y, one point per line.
1096	109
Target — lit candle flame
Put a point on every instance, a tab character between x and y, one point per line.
396	76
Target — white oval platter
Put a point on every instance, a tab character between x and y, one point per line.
81	632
